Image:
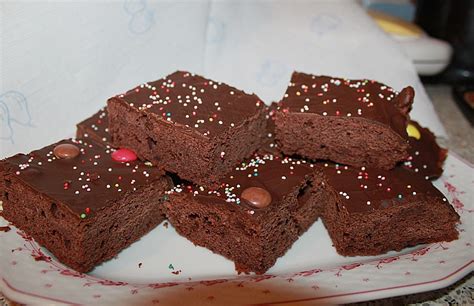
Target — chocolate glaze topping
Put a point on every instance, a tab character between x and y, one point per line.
328	96
85	183
194	103
426	156
99	125
278	176
269	145
365	189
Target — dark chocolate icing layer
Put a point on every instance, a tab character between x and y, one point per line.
85	183
189	100
278	176
365	189
98	125
328	96
269	145
426	156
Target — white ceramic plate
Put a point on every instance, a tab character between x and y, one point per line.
164	268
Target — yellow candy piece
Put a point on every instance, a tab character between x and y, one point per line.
412	131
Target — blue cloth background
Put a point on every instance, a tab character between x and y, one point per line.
61	61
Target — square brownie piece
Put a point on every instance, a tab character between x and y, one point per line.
353	122
81	200
188	125
95	127
259	211
373	211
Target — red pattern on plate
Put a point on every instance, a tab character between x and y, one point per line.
56	267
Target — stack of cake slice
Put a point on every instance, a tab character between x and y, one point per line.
248	179
249	208
376	162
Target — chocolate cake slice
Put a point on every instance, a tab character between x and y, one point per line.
260	209
354	122
82	201
426	156
373	211
95	127
192	126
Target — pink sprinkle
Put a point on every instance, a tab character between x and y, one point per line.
124	155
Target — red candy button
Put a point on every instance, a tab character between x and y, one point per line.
124	155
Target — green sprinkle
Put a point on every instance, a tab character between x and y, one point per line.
166	197
83	216
400	196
